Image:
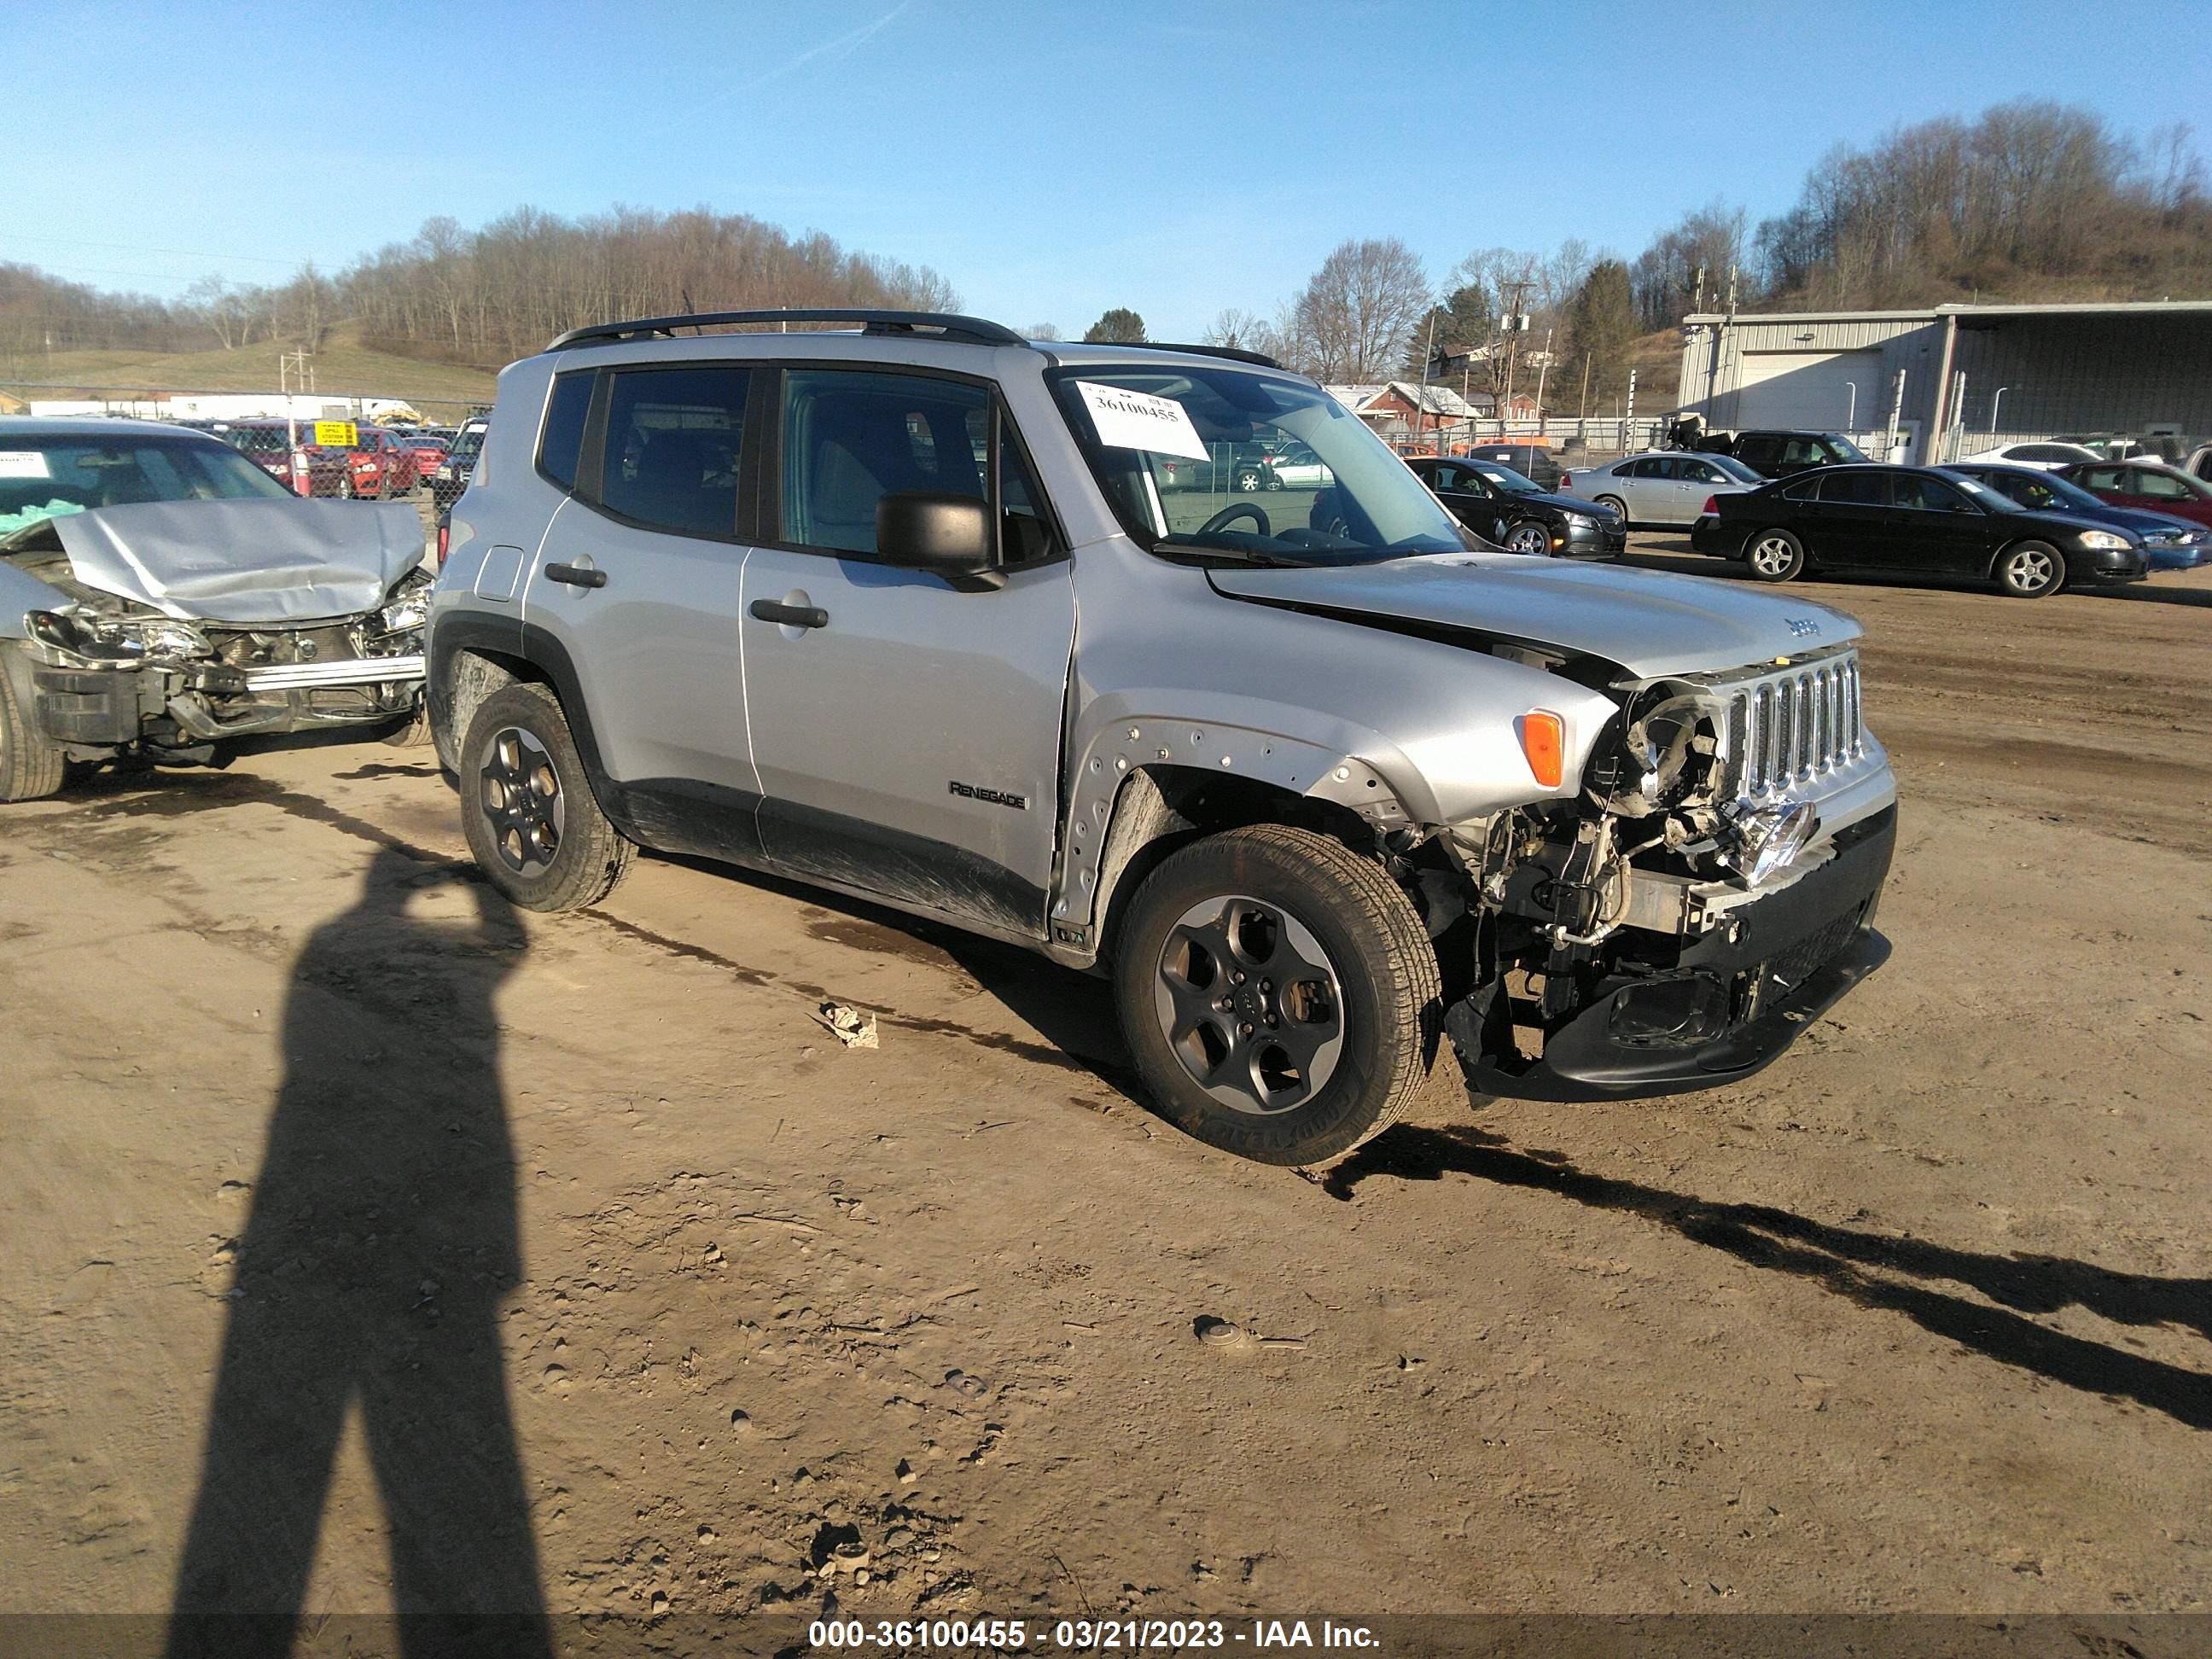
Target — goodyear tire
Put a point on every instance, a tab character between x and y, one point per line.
527	808
1278	992
31	767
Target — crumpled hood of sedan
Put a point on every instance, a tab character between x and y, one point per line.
1651	623
256	561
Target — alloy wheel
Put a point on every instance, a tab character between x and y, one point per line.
519	794
1250	1004
2030	569
1528	539
1771	556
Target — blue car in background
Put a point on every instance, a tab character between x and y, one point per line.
2169	544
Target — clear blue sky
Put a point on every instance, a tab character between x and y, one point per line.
1051	160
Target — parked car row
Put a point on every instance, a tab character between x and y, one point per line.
376	464
2004	525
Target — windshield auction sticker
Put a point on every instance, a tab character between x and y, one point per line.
32	463
1138	420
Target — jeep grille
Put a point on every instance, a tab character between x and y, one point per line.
1789	729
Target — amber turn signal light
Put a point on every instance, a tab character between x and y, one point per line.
1543	740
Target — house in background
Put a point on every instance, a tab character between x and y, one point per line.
1403	410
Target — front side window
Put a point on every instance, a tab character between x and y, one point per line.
1931	494
852	436
1140	427
2159	486
670	455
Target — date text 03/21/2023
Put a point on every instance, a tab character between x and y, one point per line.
1086	1635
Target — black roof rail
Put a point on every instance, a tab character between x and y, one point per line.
1238	353
918	324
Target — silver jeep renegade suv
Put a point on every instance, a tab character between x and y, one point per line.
920	611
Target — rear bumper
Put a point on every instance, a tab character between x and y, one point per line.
1734	1002
1705	537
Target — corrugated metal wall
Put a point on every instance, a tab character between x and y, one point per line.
1714	367
2061	373
2087	374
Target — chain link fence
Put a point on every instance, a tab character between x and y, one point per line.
346	446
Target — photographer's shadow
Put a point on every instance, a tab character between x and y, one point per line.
382	1238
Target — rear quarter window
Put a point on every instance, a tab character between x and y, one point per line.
561	445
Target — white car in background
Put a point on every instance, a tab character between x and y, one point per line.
2048	456
1661	486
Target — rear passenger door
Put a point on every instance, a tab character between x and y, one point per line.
638	585
906	731
1855	525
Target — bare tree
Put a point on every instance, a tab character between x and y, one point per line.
1041	331
1353	315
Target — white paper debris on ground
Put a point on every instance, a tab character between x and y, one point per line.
849	1025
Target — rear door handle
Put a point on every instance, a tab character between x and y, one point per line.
577	575
796	616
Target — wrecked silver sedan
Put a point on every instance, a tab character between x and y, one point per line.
161	595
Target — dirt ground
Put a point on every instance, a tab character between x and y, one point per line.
572	1260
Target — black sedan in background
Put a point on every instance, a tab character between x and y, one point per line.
1912	521
1518	514
2169	544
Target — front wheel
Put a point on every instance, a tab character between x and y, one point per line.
345	486
1248	480
2031	570
1528	536
31	769
1775	555
1278	992
528	808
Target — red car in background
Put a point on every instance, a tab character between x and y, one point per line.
2145	484
429	452
376	464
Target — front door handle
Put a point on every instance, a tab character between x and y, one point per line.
795	616
577	575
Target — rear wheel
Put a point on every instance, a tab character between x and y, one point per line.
1248	479
31	769
1774	555
1278	992
527	808
2031	570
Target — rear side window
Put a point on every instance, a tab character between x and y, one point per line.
1855	489
562	446
1655	466
673	436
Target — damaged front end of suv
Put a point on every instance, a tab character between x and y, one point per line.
1709	890
167	629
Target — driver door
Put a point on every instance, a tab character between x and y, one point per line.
1469	498
906	730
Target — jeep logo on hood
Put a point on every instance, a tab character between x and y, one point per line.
1802	626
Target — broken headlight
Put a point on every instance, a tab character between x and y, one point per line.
407	606
117	639
1757	844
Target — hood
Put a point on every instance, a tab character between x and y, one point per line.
1567	503
253	561
1649	622
2143	520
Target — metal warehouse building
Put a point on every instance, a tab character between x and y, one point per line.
1974	375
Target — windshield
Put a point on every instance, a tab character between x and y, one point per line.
2041	492
1507	479
1844	447
1982	493
1210	459
46	477
468	441
1734	468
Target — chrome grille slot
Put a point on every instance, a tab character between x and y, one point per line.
1795	728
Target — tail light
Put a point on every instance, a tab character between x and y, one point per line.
445	537
1566	484
1711	508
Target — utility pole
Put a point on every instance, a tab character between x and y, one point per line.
1582	412
1516	324
1428	356
1542	369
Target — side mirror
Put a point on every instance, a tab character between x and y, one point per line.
926	530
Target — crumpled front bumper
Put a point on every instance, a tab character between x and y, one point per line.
1735	1001
112	707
